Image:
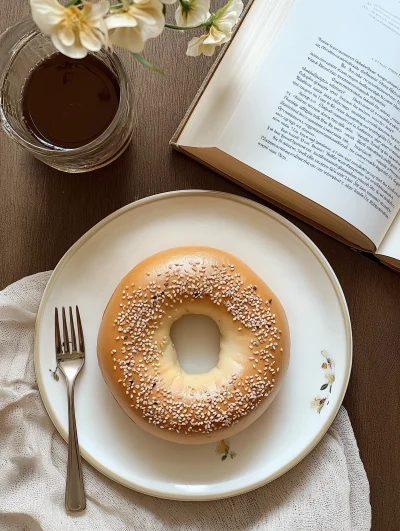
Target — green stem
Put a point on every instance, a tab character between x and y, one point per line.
205	24
183	28
73	3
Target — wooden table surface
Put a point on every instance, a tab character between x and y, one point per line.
43	212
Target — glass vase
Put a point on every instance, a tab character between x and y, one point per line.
22	47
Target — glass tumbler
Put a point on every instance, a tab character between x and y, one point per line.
22	47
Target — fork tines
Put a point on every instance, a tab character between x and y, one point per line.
66	346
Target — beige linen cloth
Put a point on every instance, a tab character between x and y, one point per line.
327	491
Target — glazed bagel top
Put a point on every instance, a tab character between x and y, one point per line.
139	362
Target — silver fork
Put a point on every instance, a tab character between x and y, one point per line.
70	361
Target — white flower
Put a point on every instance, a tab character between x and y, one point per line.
316	402
220	31
131	25
73	30
168	1
192	12
207	43
330	377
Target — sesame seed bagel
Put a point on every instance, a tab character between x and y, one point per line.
139	361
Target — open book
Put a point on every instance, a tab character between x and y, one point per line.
303	107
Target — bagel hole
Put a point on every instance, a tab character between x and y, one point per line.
197	342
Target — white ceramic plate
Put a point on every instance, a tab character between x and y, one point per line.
295	270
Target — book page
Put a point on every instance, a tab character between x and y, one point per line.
390	245
322	114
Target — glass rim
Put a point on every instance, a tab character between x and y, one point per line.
38	148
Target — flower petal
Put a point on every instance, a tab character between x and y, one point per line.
49	7
232	6
151	13
209	49
215	37
120	20
180	18
197	46
154	27
90	40
100	9
66	35
229	14
77	51
128	38
150	32
225	26
46	14
203	5
194	46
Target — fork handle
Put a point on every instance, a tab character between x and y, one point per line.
75	499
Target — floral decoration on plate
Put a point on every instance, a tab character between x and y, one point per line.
329	369
223	449
54	374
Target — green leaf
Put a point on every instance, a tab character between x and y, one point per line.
324	386
145	63
73	3
54	374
